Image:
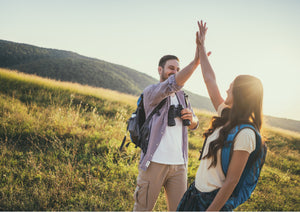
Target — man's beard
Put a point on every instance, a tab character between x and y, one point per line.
163	77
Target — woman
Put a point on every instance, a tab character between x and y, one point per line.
216	188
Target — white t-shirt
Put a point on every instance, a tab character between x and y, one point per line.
169	151
210	179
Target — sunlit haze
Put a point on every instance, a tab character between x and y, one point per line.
259	38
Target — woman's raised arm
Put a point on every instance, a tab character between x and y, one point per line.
207	71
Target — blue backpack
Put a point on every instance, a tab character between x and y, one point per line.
251	173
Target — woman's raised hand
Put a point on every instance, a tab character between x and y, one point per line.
200	36
201	33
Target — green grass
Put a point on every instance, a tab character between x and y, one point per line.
59	151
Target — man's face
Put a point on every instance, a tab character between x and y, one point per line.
171	67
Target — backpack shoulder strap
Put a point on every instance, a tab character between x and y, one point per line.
228	147
202	150
140	100
156	109
186	99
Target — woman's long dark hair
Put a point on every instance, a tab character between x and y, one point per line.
247	92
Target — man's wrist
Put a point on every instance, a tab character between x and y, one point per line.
194	123
195	63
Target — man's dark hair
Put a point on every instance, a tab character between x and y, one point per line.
164	59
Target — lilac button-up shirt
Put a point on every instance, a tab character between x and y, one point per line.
153	95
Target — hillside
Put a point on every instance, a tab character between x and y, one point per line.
288	124
59	151
72	67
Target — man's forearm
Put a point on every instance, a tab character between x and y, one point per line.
182	76
154	94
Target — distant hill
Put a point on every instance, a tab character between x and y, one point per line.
283	123
69	66
72	67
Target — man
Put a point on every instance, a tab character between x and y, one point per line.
165	162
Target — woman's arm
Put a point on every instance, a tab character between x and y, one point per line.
236	167
207	71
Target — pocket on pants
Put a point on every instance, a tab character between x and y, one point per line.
141	194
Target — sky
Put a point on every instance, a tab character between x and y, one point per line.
257	37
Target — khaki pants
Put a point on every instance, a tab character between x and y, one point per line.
149	183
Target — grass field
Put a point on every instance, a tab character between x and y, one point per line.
59	150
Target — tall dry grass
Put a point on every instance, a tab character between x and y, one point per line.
59	151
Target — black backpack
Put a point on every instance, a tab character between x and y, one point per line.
138	125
